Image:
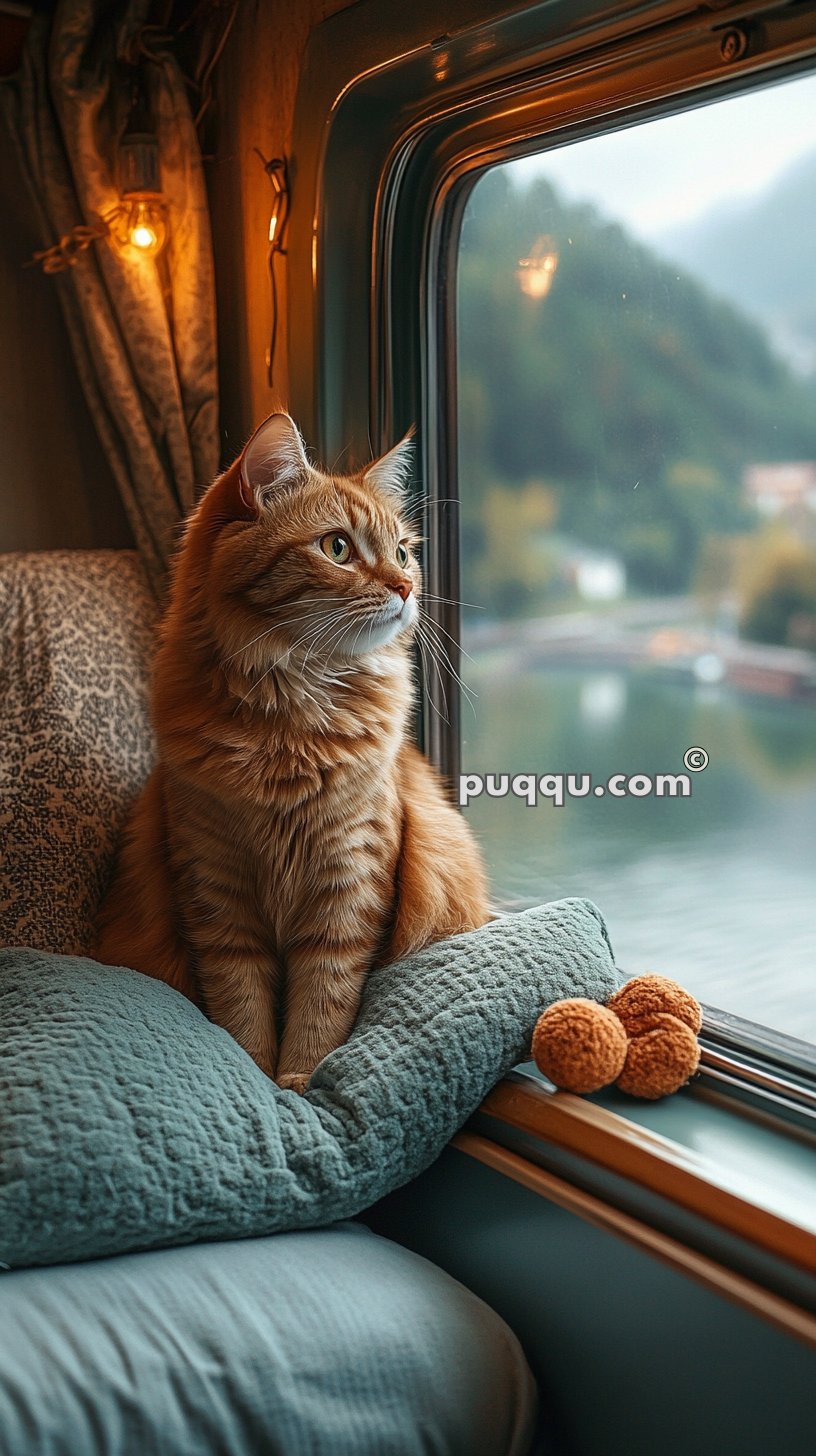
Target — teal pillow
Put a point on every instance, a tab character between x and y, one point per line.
131	1122
331	1342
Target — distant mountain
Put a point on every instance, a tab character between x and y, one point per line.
760	254
632	395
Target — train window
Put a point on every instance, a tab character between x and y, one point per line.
636	337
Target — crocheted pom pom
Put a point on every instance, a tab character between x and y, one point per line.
660	1059
579	1045
646	996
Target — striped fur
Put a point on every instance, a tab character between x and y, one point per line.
291	838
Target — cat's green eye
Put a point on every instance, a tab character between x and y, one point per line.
336	547
402	555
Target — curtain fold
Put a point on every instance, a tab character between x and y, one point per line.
143	335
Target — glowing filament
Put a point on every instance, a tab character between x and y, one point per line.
139	226
143	237
145	228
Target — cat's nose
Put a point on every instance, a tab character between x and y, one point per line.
404	587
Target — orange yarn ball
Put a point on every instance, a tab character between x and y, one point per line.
647	996
661	1057
579	1045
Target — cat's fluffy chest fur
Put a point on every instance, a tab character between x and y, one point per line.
291	837
275	806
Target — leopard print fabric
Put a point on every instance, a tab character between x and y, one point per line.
76	642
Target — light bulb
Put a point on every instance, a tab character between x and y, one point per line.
138	226
145	226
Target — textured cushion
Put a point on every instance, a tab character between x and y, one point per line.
76	634
131	1122
331	1343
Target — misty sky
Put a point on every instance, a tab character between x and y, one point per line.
669	171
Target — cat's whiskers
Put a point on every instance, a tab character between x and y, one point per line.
363	624
426	630
362	609
452	601
345	618
431	627
331	635
304	601
422	652
449	635
330	639
423	637
315	633
278	660
424	498
317	621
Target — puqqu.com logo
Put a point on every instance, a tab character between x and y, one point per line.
556	788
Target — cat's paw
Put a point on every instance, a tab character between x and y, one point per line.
294	1082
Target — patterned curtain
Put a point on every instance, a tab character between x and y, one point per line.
142	331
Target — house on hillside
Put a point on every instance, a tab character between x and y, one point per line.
779	488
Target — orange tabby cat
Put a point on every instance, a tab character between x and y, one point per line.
291	837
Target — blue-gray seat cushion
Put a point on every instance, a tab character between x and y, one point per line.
328	1343
131	1122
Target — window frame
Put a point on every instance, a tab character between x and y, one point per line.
414	118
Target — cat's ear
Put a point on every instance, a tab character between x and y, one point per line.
392	472
273	459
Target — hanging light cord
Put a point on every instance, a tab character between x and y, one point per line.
276	171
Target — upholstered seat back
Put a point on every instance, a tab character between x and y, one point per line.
76	640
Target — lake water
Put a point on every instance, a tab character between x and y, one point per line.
717	890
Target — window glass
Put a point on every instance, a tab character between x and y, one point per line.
637	402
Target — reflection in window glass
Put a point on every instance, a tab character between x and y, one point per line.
637	397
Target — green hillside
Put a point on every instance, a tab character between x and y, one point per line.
631	395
